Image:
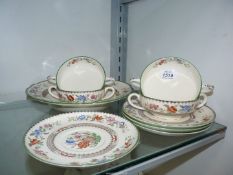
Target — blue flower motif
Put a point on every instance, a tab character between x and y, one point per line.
70	141
81	98
186	108
81	117
37	133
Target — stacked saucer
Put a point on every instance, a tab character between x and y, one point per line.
80	85
193	123
172	99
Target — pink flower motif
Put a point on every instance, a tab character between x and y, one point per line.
93	96
153	106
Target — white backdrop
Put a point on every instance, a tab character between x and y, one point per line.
38	36
202	32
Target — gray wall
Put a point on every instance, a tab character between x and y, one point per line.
38	36
202	32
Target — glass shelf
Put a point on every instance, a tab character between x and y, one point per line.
18	117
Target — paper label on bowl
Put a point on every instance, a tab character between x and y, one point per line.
168	74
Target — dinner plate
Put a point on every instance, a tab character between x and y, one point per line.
81	139
201	117
39	92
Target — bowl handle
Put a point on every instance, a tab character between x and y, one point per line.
50	90
132	103
109	81
135	83
112	89
51	79
203	100
207	89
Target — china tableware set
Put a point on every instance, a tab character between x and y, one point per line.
171	100
80	139
81	80
80	85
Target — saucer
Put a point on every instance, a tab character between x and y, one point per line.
164	133
39	92
201	117
168	130
81	139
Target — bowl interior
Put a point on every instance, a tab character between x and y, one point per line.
80	74
171	79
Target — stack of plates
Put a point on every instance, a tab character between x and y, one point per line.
199	121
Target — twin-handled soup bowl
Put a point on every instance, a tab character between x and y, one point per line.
207	89
109	81
166	107
171	79
82	97
81	74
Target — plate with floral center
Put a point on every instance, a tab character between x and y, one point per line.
81	139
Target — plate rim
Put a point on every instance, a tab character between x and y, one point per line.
167	126
137	142
150	127
68	104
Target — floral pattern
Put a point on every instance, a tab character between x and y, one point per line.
81	140
171	109
79	59
39	92
40	139
170	59
201	117
85	98
186	108
37	139
118	152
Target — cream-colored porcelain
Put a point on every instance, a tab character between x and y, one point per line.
109	81
171	79
39	92
199	118
82	97
175	134
81	139
135	83
170	130
51	79
92	108
166	107
207	89
80	74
